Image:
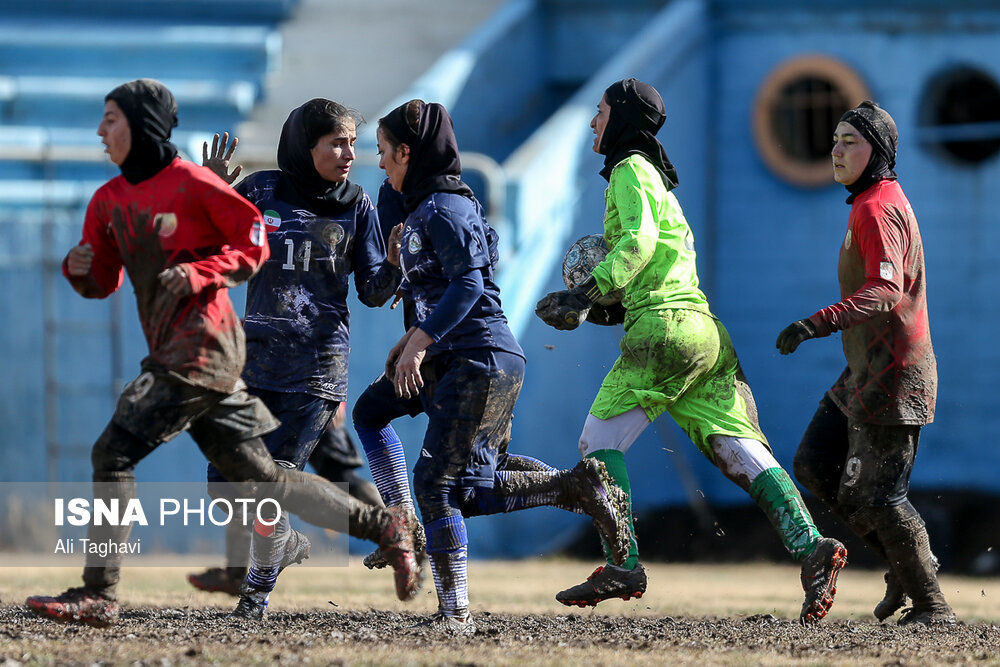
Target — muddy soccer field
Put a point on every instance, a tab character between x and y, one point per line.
693	614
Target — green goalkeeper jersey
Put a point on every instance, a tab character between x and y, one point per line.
652	248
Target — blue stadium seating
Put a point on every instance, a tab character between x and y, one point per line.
58	59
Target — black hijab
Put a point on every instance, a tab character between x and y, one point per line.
434	162
637	114
879	129
300	181
151	111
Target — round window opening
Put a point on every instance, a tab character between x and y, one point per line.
796	112
960	115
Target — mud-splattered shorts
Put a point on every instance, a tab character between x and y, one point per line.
469	403
304	418
855	464
158	406
681	362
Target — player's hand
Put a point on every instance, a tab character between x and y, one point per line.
79	259
397	349
408	380
394	244
793	335
564	310
175	280
607	316
218	159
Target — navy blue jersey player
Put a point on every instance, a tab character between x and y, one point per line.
322	228
461	364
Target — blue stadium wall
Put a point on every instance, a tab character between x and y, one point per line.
522	90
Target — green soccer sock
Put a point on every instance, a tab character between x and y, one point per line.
775	493
614	461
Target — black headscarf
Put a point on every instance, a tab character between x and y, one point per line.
637	114
434	162
303	128
151	111
879	129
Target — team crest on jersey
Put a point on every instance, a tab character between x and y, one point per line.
272	219
847	240
414	244
333	233
165	224
886	270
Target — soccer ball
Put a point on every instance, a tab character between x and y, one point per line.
579	263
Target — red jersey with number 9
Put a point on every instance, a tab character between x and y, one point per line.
184	214
891	375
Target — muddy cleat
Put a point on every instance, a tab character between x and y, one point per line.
376	560
819	578
396	543
893	600
591	489
296	550
606	582
76	605
453	625
217	580
936	615
251	606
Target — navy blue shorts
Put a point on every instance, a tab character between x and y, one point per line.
304	419
378	405
469	398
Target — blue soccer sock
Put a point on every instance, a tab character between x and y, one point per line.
388	464
448	552
267	548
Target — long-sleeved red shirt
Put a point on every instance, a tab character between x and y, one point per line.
891	374
183	214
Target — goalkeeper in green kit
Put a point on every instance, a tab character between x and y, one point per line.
676	356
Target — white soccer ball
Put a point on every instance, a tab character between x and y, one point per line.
581	258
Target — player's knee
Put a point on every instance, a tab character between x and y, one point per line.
807	472
248	461
116	450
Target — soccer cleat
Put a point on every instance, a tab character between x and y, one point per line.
296	549
590	488
396	543
376	560
606	582
893	600
450	624
76	605
936	615
216	580
819	578
251	606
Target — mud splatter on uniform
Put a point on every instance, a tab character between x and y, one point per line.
891	374
297	319
676	356
183	214
477	365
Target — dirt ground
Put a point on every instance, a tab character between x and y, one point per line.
691	614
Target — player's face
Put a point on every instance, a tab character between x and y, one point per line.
850	154
114	133
394	161
600	122
333	153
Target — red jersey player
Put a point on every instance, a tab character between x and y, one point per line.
184	236
858	451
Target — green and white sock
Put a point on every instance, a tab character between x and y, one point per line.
614	461
775	493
